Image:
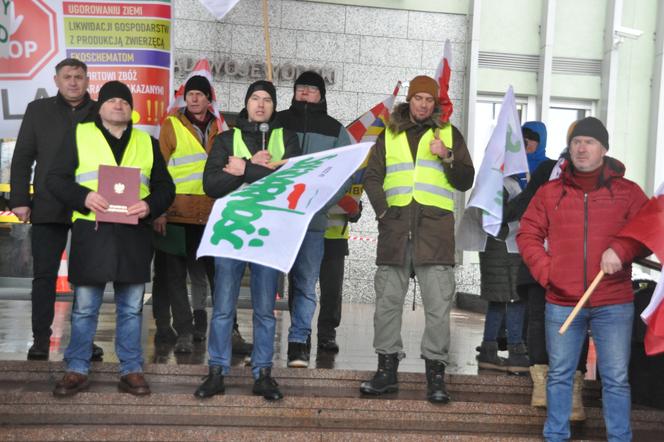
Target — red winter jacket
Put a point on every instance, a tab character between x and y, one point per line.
578	228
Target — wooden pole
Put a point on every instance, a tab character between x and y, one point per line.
266	33
582	302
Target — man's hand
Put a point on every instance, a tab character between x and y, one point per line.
610	262
141	208
95	202
23	213
262	158
235	166
159	225
438	148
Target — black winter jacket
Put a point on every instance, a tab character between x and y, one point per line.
103	252
44	126
218	183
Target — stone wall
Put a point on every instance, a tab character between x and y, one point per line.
369	50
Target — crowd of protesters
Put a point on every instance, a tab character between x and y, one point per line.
559	230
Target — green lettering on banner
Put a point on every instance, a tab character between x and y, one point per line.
6	4
512	147
240	214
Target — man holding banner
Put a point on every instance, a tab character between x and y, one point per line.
44	125
327	236
413	171
241	156
578	216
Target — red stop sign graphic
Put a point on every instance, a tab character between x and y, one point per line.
33	44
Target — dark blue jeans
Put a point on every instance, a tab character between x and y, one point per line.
514	314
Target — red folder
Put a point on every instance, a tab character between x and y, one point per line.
121	188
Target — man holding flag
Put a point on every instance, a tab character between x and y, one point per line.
579	216
413	171
317	131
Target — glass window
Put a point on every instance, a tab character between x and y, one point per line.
561	115
487	109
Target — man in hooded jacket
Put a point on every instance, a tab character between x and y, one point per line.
317	131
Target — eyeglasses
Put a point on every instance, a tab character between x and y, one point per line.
305	87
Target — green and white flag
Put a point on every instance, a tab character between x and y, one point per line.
505	155
265	222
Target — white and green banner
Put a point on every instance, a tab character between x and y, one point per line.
265	222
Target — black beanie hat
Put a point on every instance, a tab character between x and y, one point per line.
261	85
591	127
198	83
311	78
115	89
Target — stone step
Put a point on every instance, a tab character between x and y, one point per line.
319	405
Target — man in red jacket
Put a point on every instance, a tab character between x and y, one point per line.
578	216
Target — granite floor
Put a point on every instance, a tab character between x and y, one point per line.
354	337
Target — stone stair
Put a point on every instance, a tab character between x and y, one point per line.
318	405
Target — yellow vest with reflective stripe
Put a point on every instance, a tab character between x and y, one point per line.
94	151
187	162
337	221
275	146
423	179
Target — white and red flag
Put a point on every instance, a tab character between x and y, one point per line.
370	124
202	68
219	8
647	227
443	73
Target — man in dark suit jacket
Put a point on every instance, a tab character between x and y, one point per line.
45	122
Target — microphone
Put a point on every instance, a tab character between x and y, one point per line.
263	128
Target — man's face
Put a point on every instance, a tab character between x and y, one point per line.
260	107
197	102
72	83
421	106
587	153
115	111
531	145
308	93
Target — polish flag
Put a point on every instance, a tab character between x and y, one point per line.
647	227
201	68
443	73
370	124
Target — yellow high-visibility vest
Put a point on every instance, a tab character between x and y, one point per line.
275	146
423	179
94	151
187	162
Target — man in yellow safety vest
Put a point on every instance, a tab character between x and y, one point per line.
103	252
413	171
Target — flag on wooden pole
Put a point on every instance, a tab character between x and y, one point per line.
647	227
443	73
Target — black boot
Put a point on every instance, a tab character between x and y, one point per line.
213	384
266	386
488	357
436	391
385	380
200	325
39	349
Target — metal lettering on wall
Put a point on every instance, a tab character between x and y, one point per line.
255	70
